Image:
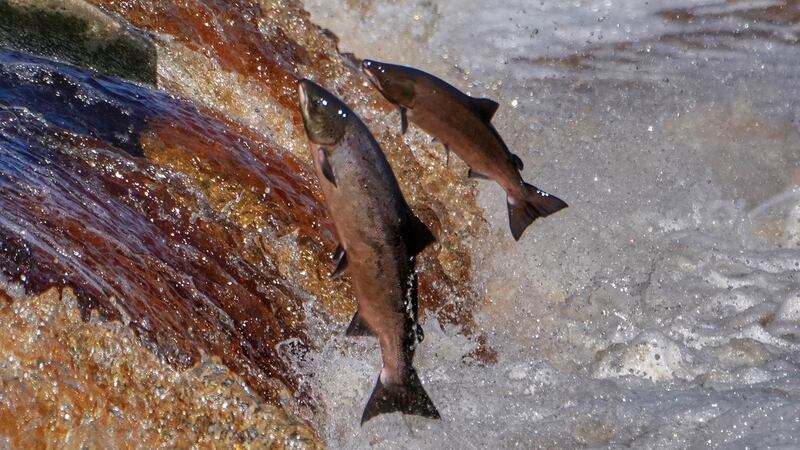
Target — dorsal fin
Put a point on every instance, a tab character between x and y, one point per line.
417	235
484	107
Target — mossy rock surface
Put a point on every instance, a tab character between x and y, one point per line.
79	33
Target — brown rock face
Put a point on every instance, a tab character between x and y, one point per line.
165	246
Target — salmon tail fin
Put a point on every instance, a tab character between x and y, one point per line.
408	398
357	327
523	211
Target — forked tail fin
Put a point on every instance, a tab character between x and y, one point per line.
523	211
407	398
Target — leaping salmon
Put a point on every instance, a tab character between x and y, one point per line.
463	124
379	239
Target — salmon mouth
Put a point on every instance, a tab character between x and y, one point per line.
301	91
368	68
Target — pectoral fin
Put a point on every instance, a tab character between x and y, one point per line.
340	261
476	175
325	164
446	151
403	121
484	108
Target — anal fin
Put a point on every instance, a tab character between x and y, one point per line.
357	327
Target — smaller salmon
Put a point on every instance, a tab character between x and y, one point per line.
463	124
379	239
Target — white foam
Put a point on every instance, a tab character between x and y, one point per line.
660	310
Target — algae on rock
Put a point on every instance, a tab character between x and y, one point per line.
82	34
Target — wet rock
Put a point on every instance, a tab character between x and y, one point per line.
95	385
79	33
742	352
652	356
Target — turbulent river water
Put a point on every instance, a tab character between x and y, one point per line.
164	249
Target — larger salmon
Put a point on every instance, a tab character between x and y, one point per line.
379	238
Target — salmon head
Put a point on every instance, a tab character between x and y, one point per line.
325	117
396	83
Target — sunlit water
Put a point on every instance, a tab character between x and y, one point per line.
660	309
